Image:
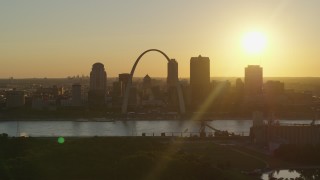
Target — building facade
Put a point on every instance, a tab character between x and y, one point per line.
172	76
98	85
123	79
199	80
98	77
15	99
253	80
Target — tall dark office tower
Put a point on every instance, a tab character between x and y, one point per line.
98	85
253	80
98	77
199	80
123	79
172	77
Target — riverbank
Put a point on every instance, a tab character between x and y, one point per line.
121	118
103	119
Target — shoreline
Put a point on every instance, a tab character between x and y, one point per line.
106	119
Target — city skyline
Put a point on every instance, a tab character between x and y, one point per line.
59	39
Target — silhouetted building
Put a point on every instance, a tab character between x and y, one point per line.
157	93
76	95
15	99
239	86
98	85
133	96
274	94
173	101
253	80
98	77
172	77
273	88
147	81
221	91
199	80
39	103
116	89
49	92
239	92
274	133
116	94
123	79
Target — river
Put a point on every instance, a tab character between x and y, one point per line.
103	127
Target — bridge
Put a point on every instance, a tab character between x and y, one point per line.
129	84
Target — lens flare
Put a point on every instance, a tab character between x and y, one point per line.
61	140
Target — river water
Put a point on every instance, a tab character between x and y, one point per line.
292	174
103	127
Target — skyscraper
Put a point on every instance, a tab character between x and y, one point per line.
98	77
199	80
98	85
253	80
172	77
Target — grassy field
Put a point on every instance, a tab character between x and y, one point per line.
121	158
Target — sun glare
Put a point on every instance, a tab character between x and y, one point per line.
254	42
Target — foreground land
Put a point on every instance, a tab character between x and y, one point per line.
121	158
130	158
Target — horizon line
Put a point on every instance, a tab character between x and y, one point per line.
8	78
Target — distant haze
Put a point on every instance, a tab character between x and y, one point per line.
40	38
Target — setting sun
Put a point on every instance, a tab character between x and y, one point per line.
254	42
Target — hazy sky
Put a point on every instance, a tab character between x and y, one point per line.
42	38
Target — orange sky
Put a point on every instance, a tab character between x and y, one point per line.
64	38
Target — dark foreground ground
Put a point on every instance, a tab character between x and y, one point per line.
127	158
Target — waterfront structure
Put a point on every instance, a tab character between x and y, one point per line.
76	95
253	80
273	132
98	85
290	134
199	80
172	76
15	99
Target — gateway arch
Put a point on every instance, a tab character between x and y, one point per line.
129	84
